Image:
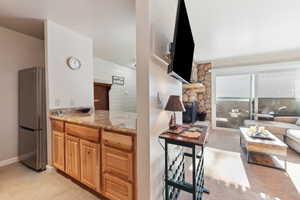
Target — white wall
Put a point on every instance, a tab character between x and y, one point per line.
164	85
155	26
68	88
163	14
121	98
143	53
17	51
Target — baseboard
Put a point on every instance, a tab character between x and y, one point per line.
9	161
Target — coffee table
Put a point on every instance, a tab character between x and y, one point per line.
264	152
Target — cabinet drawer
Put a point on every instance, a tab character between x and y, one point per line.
117	140
116	189
117	162
57	125
91	134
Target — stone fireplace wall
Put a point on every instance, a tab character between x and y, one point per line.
202	74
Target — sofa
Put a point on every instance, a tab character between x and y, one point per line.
285	128
292	139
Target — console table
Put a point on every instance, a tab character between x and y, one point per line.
175	172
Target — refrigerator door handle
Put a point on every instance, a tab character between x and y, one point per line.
26	128
39	122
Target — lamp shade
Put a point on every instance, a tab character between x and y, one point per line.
175	104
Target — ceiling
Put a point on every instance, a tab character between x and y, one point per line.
245	29
223	30
111	24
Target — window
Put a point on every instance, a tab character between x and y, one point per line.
272	89
233	100
278	92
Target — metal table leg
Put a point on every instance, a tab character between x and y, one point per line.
166	172
194	173
285	164
206	191
247	154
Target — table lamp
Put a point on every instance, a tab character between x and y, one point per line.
174	104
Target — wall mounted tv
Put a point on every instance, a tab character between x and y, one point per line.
182	48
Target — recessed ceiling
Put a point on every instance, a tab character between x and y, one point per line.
111	24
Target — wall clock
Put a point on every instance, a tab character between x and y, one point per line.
74	63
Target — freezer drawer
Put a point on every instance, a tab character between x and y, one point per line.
32	149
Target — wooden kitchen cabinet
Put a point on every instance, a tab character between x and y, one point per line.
103	160
116	140
58	153
90	164
117	162
83	132
73	156
115	188
117	165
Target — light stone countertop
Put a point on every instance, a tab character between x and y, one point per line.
109	120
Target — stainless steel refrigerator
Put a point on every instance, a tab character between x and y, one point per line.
32	118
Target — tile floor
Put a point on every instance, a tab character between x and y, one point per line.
228	177
20	183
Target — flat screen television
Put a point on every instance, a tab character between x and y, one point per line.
182	48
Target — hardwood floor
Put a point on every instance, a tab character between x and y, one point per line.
229	176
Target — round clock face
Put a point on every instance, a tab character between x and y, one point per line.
74	63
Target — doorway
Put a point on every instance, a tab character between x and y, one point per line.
101	96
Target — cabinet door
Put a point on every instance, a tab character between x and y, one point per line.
117	162
116	189
90	164
73	157
58	150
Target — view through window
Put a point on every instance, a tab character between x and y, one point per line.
244	96
233	100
